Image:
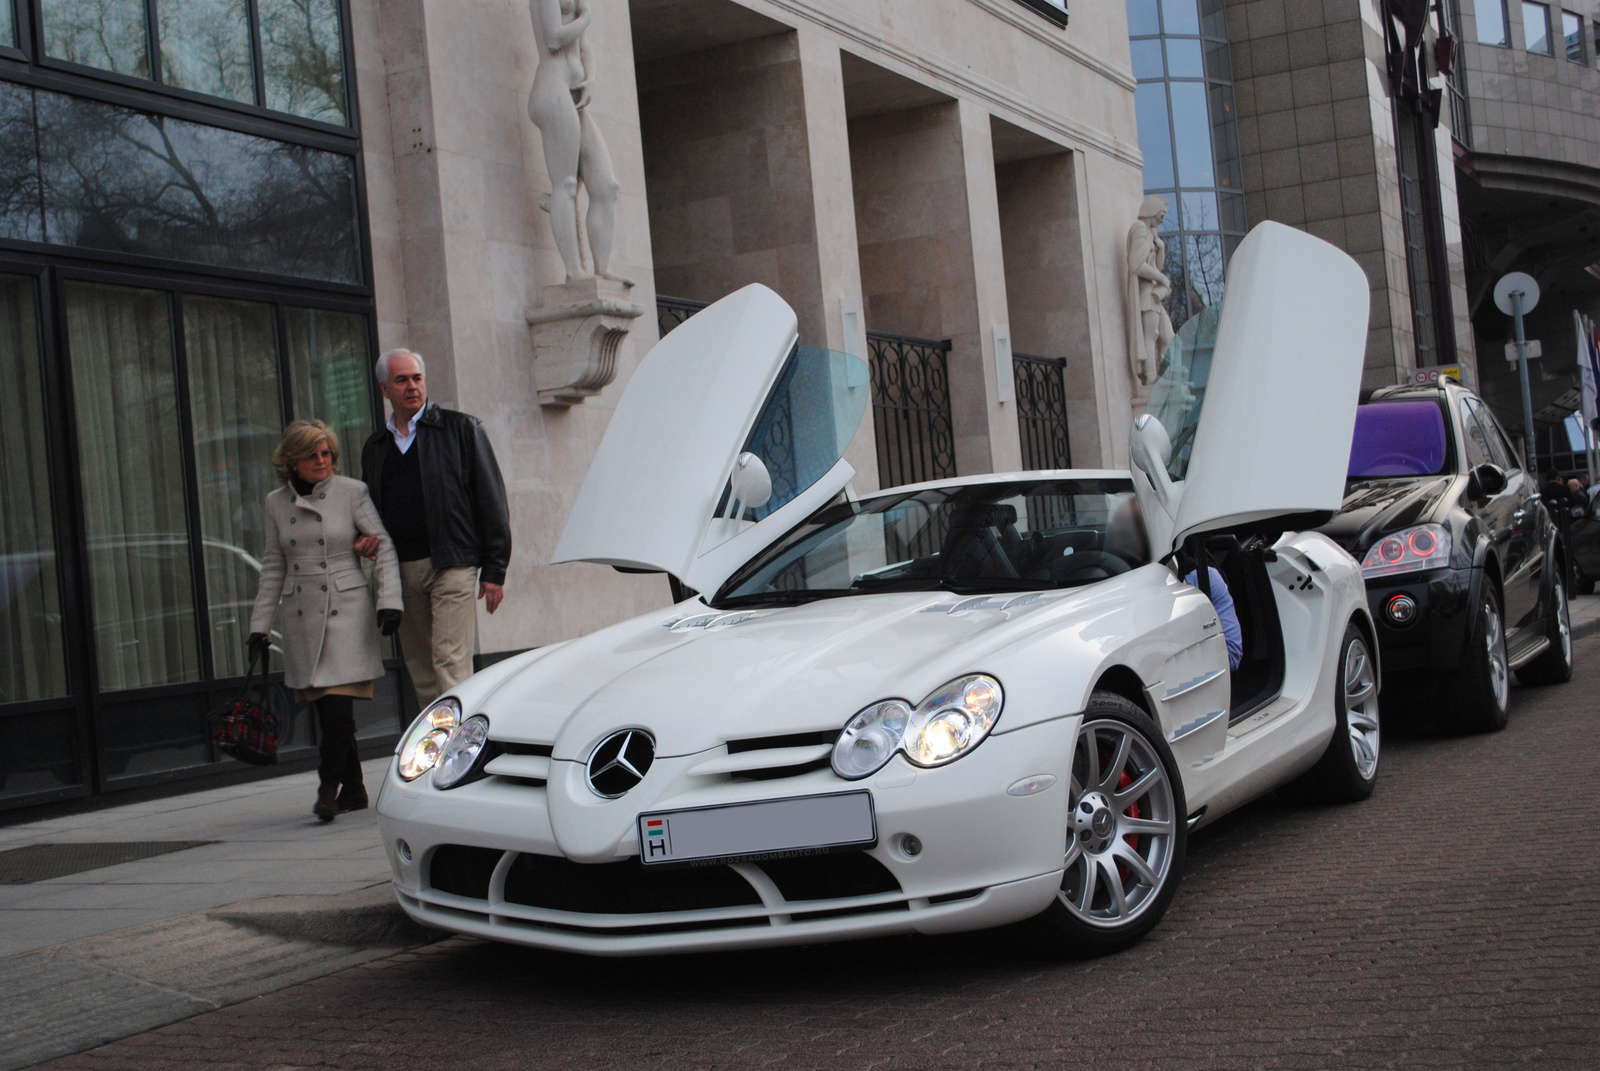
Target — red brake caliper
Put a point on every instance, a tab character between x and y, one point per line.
1123	869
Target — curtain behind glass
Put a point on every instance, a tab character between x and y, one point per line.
331	369
236	408
205	46
109	34
125	392
32	663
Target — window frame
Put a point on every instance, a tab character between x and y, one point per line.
1505	26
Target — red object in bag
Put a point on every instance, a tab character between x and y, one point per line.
246	729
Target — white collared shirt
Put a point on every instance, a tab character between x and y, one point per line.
403	442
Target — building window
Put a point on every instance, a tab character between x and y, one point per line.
285	55
1456	83
1054	10
1493	28
1188	133
1572	32
1418	264
81	173
1536	28
8	25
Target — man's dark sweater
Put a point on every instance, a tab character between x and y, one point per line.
405	513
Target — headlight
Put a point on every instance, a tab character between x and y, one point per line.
461	752
943	727
953	720
424	741
1409	550
870	739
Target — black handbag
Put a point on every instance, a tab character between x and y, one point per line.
246	728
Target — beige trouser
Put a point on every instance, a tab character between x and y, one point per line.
438	630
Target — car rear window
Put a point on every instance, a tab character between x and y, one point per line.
1399	439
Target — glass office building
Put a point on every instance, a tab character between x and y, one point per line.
1188	134
182	271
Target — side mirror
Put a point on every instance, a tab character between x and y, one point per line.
1486	481
751	485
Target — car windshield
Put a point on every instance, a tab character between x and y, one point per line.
1399	439
1024	535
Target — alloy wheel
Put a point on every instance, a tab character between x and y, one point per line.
1494	637
1361	707
1563	621
1122	826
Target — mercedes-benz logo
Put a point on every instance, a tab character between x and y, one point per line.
620	762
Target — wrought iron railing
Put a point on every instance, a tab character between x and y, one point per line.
911	408
672	311
1042	411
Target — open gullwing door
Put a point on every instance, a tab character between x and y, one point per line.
728	434
1251	420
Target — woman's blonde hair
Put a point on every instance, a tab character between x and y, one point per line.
300	441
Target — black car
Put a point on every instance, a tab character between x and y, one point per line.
1582	538
1465	570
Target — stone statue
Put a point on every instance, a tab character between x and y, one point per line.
574	151
1149	326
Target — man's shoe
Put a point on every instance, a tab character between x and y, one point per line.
352	799
327	804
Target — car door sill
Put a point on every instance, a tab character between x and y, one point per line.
1539	647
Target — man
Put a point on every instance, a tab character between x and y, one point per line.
433	476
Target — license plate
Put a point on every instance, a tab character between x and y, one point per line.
800	825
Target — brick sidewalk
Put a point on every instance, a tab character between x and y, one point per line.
1452	921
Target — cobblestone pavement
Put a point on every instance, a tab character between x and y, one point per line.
1452	921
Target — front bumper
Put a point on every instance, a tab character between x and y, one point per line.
987	858
1430	646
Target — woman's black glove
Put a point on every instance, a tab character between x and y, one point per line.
258	646
388	622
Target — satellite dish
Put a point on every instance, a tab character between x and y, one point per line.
1511	283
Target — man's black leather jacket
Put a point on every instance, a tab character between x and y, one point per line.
468	521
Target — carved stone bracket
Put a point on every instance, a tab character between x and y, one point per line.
576	335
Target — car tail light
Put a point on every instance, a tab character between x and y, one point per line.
1410	550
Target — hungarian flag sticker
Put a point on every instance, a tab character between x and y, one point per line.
657	838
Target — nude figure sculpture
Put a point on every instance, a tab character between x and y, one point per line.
574	151
1149	327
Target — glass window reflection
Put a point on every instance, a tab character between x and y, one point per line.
1536	28
1147	61
1572	32
1191	129
8	25
302	55
1155	136
21	213
1180	17
1184	59
125	181
1143	18
109	34
1490	16
205	46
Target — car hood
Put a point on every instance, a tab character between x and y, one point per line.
695	677
1373	507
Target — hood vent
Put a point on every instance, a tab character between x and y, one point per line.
711	622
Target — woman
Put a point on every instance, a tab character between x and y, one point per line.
330	649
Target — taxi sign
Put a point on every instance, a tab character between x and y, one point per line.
1429	375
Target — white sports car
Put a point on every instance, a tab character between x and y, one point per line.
961	704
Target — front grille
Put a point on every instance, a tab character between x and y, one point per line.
625	888
463	871
768	743
830	877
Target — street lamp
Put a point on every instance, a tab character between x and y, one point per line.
1515	294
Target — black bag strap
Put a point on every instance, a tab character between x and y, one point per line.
257	658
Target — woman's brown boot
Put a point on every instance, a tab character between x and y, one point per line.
327	804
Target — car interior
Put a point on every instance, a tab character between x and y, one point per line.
1243	565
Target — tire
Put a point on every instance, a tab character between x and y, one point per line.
1481	699
1555	665
1127	829
1348	769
